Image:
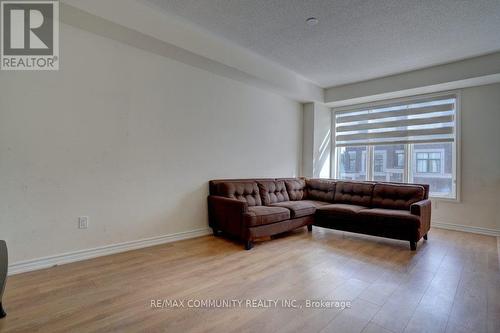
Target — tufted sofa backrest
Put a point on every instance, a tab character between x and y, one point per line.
213	185
391	196
244	190
266	191
321	189
355	193
273	191
296	189
425	186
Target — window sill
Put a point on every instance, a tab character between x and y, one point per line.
445	199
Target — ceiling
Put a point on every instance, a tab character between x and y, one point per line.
354	40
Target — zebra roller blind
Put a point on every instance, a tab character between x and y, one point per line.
421	120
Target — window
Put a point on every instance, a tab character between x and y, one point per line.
378	163
399	159
413	141
434	166
352	163
363	161
428	162
386	169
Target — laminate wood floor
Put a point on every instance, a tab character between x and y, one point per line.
450	284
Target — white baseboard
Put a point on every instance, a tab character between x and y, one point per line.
65	258
466	228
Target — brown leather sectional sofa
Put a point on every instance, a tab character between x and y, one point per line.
253	208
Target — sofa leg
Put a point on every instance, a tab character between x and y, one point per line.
310	227
425	236
248	245
216	232
413	245
2	312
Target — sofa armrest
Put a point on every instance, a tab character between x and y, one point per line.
234	205
226	214
423	210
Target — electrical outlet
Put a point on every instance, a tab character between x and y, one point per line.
83	222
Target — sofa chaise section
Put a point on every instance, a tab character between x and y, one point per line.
397	211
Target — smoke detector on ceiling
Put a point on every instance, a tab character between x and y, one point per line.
312	21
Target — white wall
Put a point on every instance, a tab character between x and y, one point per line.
480	149
316	140
308	140
322	141
130	139
144	25
460	74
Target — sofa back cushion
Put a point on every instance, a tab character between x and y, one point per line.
247	191
320	189
213	185
296	189
273	191
400	196
355	193
425	186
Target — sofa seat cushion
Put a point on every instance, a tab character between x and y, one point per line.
389	216
301	208
340	210
261	215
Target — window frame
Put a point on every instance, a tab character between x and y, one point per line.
456	146
363	161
